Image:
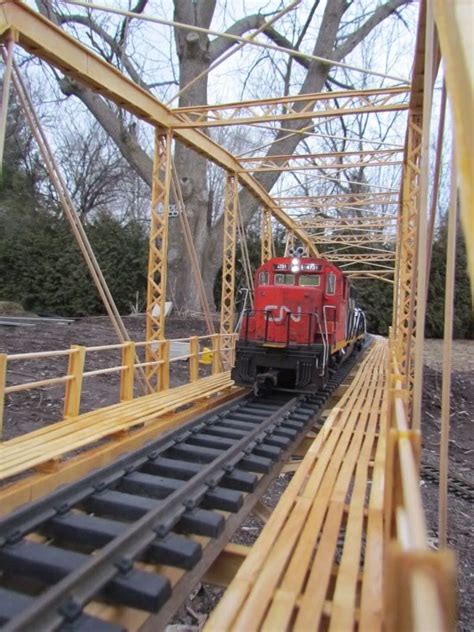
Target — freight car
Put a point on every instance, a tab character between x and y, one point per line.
303	324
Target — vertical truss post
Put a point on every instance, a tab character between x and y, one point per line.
405	286
290	243
7	75
266	235
228	268
158	252
421	267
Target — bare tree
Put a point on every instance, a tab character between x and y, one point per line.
338	35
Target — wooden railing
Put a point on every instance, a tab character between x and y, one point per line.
217	349
419	581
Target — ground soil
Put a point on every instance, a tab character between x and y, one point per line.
461	458
26	411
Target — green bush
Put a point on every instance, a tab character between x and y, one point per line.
41	266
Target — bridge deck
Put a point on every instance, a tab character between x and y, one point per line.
318	561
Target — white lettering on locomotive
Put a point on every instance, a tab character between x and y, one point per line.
284	310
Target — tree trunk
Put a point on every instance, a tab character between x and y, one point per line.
194	56
191	168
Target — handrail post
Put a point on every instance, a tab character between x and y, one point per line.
72	394
164	369
3	381
216	354
128	374
193	359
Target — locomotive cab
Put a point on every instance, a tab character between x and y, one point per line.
299	320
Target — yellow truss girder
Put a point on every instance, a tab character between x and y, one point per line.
266	241
311	166
364	153
343	200
231	201
405	288
289	243
333	160
454	29
356	240
295	108
157	257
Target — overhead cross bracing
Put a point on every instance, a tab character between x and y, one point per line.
326	167
295	108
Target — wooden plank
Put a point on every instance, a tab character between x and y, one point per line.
371	608
53	441
224	568
344	599
311	607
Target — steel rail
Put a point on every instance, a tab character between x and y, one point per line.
46	612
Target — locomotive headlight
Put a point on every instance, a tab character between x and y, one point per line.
295	268
295	262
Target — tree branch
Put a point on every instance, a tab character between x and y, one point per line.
108	39
354	39
221	45
126	142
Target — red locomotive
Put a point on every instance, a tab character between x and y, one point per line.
303	323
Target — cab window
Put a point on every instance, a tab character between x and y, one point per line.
331	283
312	280
263	278
284	279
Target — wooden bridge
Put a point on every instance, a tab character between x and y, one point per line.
346	546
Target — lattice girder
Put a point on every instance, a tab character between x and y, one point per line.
228	266
266	251
157	261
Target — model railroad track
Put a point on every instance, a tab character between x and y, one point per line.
94	540
457	485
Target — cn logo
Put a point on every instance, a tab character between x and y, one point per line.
284	310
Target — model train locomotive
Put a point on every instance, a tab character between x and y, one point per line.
303	323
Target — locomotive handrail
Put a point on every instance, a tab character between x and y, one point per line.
326	359
325	343
269	314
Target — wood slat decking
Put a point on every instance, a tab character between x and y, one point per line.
56	440
318	561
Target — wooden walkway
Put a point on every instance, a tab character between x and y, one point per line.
55	440
318	562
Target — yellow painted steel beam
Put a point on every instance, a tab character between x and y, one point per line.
454	23
43	39
312	166
355	240
289	243
258	119
295	108
158	258
360	257
231	200
339	201
289	100
266	248
269	160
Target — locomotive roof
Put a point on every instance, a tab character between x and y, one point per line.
318	260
